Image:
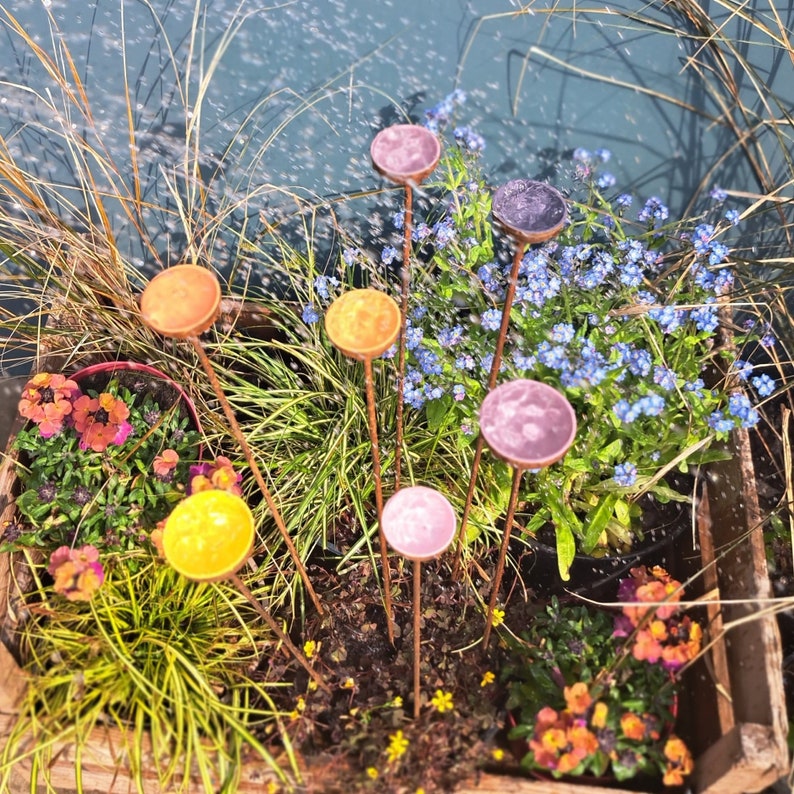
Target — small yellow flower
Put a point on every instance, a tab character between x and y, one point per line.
300	706
498	617
310	648
498	753
372	773
420	790
487	678
397	702
294	714
312	685
442	701
348	683
398	744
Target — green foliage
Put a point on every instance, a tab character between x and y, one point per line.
111	499
571	644
151	652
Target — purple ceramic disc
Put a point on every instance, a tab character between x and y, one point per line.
527	423
418	522
529	211
405	153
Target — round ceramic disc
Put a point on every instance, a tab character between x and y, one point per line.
405	153
527	423
209	535
181	301
532	212
363	323
418	522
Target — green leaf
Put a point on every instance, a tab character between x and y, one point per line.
566	549
597	521
437	410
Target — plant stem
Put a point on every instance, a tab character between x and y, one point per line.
373	437
238	434
290	647
406	288
417	643
500	565
495	365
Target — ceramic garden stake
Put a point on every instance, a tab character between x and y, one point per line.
363	324
529	212
406	154
529	425
419	523
182	302
208	537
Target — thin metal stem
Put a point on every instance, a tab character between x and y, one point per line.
406	289
252	464
289	645
495	365
417	628
373	436
500	565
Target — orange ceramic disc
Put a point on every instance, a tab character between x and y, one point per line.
363	323
209	535
181	301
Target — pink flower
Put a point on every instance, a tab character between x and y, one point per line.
101	421
164	464
47	400
77	573
220	475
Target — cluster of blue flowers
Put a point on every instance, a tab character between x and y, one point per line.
594	312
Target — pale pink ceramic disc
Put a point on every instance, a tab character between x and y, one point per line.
527	423
405	153
418	522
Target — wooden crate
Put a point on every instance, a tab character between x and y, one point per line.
733	702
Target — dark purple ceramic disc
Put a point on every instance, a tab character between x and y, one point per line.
527	423
405	153
532	212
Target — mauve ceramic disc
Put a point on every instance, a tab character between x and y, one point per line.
418	522
405	153
527	423
532	212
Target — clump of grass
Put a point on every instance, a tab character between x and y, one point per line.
155	656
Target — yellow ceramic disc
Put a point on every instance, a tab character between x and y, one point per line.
181	301
363	323
209	535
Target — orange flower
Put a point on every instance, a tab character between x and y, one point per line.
600	713
101	421
553	739
77	573
679	762
569	761
225	477
633	726
582	740
164	464
646	647
658	630
545	718
47	400
577	698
